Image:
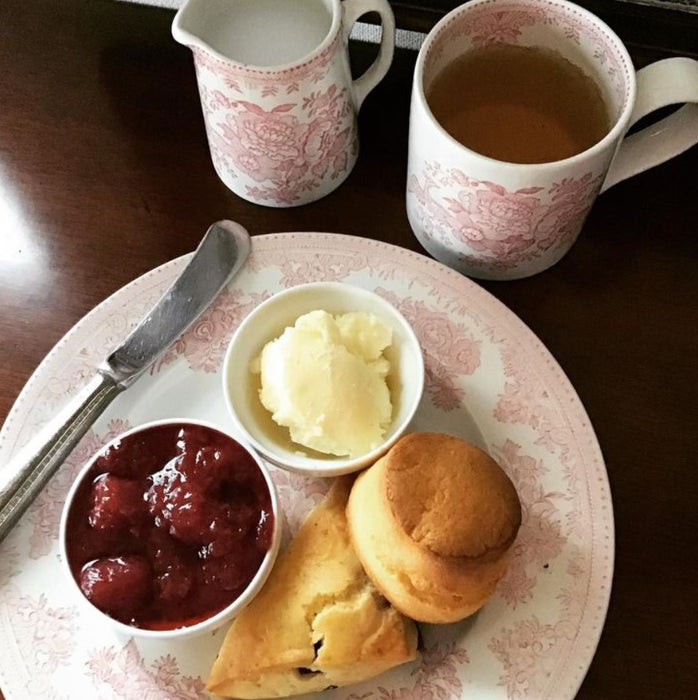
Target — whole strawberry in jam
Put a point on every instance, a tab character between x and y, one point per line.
169	526
117	503
120	586
197	501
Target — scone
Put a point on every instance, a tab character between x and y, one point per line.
318	621
433	522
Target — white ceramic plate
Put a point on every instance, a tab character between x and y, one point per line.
489	379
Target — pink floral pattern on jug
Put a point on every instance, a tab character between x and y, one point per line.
504	229
278	150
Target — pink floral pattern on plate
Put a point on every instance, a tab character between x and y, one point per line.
126	674
205	342
47	635
450	350
487	373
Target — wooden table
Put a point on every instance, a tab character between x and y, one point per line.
105	173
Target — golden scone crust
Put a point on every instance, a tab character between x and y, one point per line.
433	522
317	622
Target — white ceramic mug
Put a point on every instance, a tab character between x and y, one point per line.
276	90
495	220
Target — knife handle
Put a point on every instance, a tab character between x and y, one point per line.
27	473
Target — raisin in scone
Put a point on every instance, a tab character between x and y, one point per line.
318	621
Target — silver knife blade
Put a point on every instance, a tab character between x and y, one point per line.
220	255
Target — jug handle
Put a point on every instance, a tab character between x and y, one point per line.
665	82
353	9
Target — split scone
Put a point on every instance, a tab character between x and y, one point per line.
318	621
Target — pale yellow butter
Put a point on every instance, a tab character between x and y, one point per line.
325	379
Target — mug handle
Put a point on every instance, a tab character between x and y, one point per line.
666	82
353	9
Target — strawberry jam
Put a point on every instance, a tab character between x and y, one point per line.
169	526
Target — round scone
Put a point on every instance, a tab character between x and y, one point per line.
432	523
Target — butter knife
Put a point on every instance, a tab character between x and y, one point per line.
220	255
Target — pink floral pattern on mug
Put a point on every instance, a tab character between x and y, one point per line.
505	227
508	25
504	26
492	219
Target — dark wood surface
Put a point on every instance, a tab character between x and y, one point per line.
105	174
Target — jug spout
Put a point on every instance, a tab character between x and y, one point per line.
259	33
196	20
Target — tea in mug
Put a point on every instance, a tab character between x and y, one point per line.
519	104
